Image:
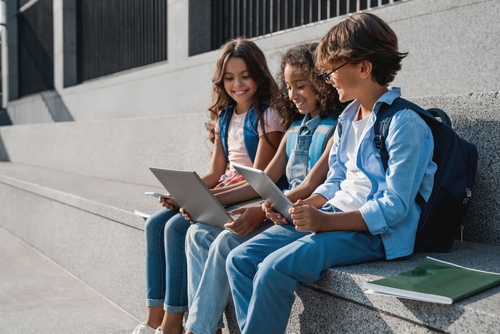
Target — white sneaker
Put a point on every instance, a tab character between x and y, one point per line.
144	329
159	331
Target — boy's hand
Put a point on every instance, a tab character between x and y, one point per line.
306	218
272	215
249	220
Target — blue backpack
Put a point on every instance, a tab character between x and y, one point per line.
250	129
443	214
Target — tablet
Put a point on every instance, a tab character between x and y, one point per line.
266	189
192	194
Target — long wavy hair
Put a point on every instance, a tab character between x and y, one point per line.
301	59
257	67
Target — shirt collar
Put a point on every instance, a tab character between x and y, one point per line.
309	123
388	97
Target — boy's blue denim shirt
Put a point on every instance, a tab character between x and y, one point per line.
390	210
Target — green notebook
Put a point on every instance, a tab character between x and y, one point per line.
435	281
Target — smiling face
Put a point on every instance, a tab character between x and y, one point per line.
300	91
346	81
238	84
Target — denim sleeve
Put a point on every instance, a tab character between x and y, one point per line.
410	168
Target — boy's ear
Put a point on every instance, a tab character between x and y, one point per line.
365	68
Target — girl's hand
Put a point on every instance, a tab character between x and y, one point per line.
247	222
272	215
186	215
168	202
307	218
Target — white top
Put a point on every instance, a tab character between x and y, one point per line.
355	188
237	152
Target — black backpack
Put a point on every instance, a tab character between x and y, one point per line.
456	159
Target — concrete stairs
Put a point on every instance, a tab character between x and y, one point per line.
70	190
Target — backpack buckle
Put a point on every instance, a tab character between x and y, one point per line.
468	195
378	142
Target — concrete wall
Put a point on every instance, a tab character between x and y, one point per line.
453	48
121	150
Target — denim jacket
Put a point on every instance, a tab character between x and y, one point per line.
390	210
305	144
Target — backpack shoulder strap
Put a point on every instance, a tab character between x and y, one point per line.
224	119
251	130
331	123
251	133
320	138
293	132
384	118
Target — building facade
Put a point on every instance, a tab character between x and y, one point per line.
76	60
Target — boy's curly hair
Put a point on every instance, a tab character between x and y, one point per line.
362	36
301	59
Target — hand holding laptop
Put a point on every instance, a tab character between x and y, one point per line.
273	215
251	218
266	189
169	202
193	195
166	200
186	215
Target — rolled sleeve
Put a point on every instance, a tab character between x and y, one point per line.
410	146
335	174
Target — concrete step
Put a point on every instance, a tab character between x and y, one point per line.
344	286
111	199
88	226
39	296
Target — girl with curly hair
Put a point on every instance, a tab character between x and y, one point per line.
309	107
244	130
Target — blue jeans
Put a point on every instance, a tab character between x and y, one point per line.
207	248
265	271
166	278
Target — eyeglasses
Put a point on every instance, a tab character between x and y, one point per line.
326	76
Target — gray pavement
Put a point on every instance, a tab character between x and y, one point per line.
39	296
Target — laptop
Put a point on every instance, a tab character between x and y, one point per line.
192	194
266	189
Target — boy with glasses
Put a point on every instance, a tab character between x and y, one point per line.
362	212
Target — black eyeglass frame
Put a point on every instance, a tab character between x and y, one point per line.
326	76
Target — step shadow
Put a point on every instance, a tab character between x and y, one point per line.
4	156
56	107
4	118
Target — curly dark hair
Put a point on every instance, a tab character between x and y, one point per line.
256	63
362	36
301	59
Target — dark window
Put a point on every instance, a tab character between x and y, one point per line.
36	48
117	35
252	18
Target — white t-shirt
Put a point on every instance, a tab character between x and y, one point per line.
236	145
355	188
